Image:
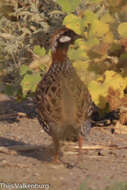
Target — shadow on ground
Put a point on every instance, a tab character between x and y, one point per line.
10	108
42	153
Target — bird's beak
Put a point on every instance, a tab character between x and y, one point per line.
76	36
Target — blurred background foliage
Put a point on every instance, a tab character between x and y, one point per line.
99	56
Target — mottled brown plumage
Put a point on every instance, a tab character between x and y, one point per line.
64	104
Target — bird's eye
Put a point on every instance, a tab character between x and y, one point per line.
64	39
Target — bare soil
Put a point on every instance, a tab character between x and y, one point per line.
97	168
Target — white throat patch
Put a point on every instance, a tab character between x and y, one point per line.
64	39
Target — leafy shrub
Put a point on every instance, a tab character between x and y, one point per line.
23	29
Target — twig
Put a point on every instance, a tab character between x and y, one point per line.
120	129
100	147
12	115
7	151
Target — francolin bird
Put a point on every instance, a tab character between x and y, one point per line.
64	105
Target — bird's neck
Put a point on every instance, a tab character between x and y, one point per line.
60	61
59	56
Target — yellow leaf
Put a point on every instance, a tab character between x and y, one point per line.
107	18
73	22
82	69
99	88
97	91
122	29
108	38
80	65
38	62
82	44
99	28
116	81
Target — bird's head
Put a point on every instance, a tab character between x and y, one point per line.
63	38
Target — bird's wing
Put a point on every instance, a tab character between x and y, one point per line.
48	96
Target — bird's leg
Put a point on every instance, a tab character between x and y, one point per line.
80	142
57	150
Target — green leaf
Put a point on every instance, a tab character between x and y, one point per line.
92	42
80	43
122	29
77	54
24	69
93	1
39	51
30	82
73	22
87	45
89	17
68	6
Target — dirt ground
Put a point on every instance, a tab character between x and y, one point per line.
97	169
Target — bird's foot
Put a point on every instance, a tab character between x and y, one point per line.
56	159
